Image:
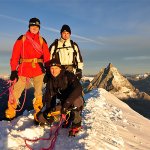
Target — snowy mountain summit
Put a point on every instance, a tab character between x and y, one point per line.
108	124
113	81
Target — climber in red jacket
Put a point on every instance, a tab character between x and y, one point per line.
29	57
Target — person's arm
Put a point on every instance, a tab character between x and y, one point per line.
74	84
79	62
16	53
79	56
14	61
51	49
47	96
46	53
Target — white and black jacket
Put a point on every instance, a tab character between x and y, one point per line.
66	52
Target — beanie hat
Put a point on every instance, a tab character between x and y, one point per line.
34	22
65	28
55	62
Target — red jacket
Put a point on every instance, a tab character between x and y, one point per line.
24	49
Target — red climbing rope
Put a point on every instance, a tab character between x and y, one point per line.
52	135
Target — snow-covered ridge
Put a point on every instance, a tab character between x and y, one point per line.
103	133
108	124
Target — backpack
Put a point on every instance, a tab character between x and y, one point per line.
56	55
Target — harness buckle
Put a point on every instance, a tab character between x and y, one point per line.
35	60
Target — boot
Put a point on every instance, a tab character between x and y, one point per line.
37	105
75	129
11	110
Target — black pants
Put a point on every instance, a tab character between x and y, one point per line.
75	115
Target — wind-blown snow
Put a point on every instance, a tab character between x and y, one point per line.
108	124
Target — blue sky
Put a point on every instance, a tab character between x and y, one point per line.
107	31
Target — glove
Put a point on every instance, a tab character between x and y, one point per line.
64	110
79	73
14	75
65	107
66	104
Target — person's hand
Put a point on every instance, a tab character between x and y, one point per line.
64	110
79	73
66	104
14	75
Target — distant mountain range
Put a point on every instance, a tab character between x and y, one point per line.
143	84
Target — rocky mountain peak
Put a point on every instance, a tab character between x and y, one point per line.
110	65
113	81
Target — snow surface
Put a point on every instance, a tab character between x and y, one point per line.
108	124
